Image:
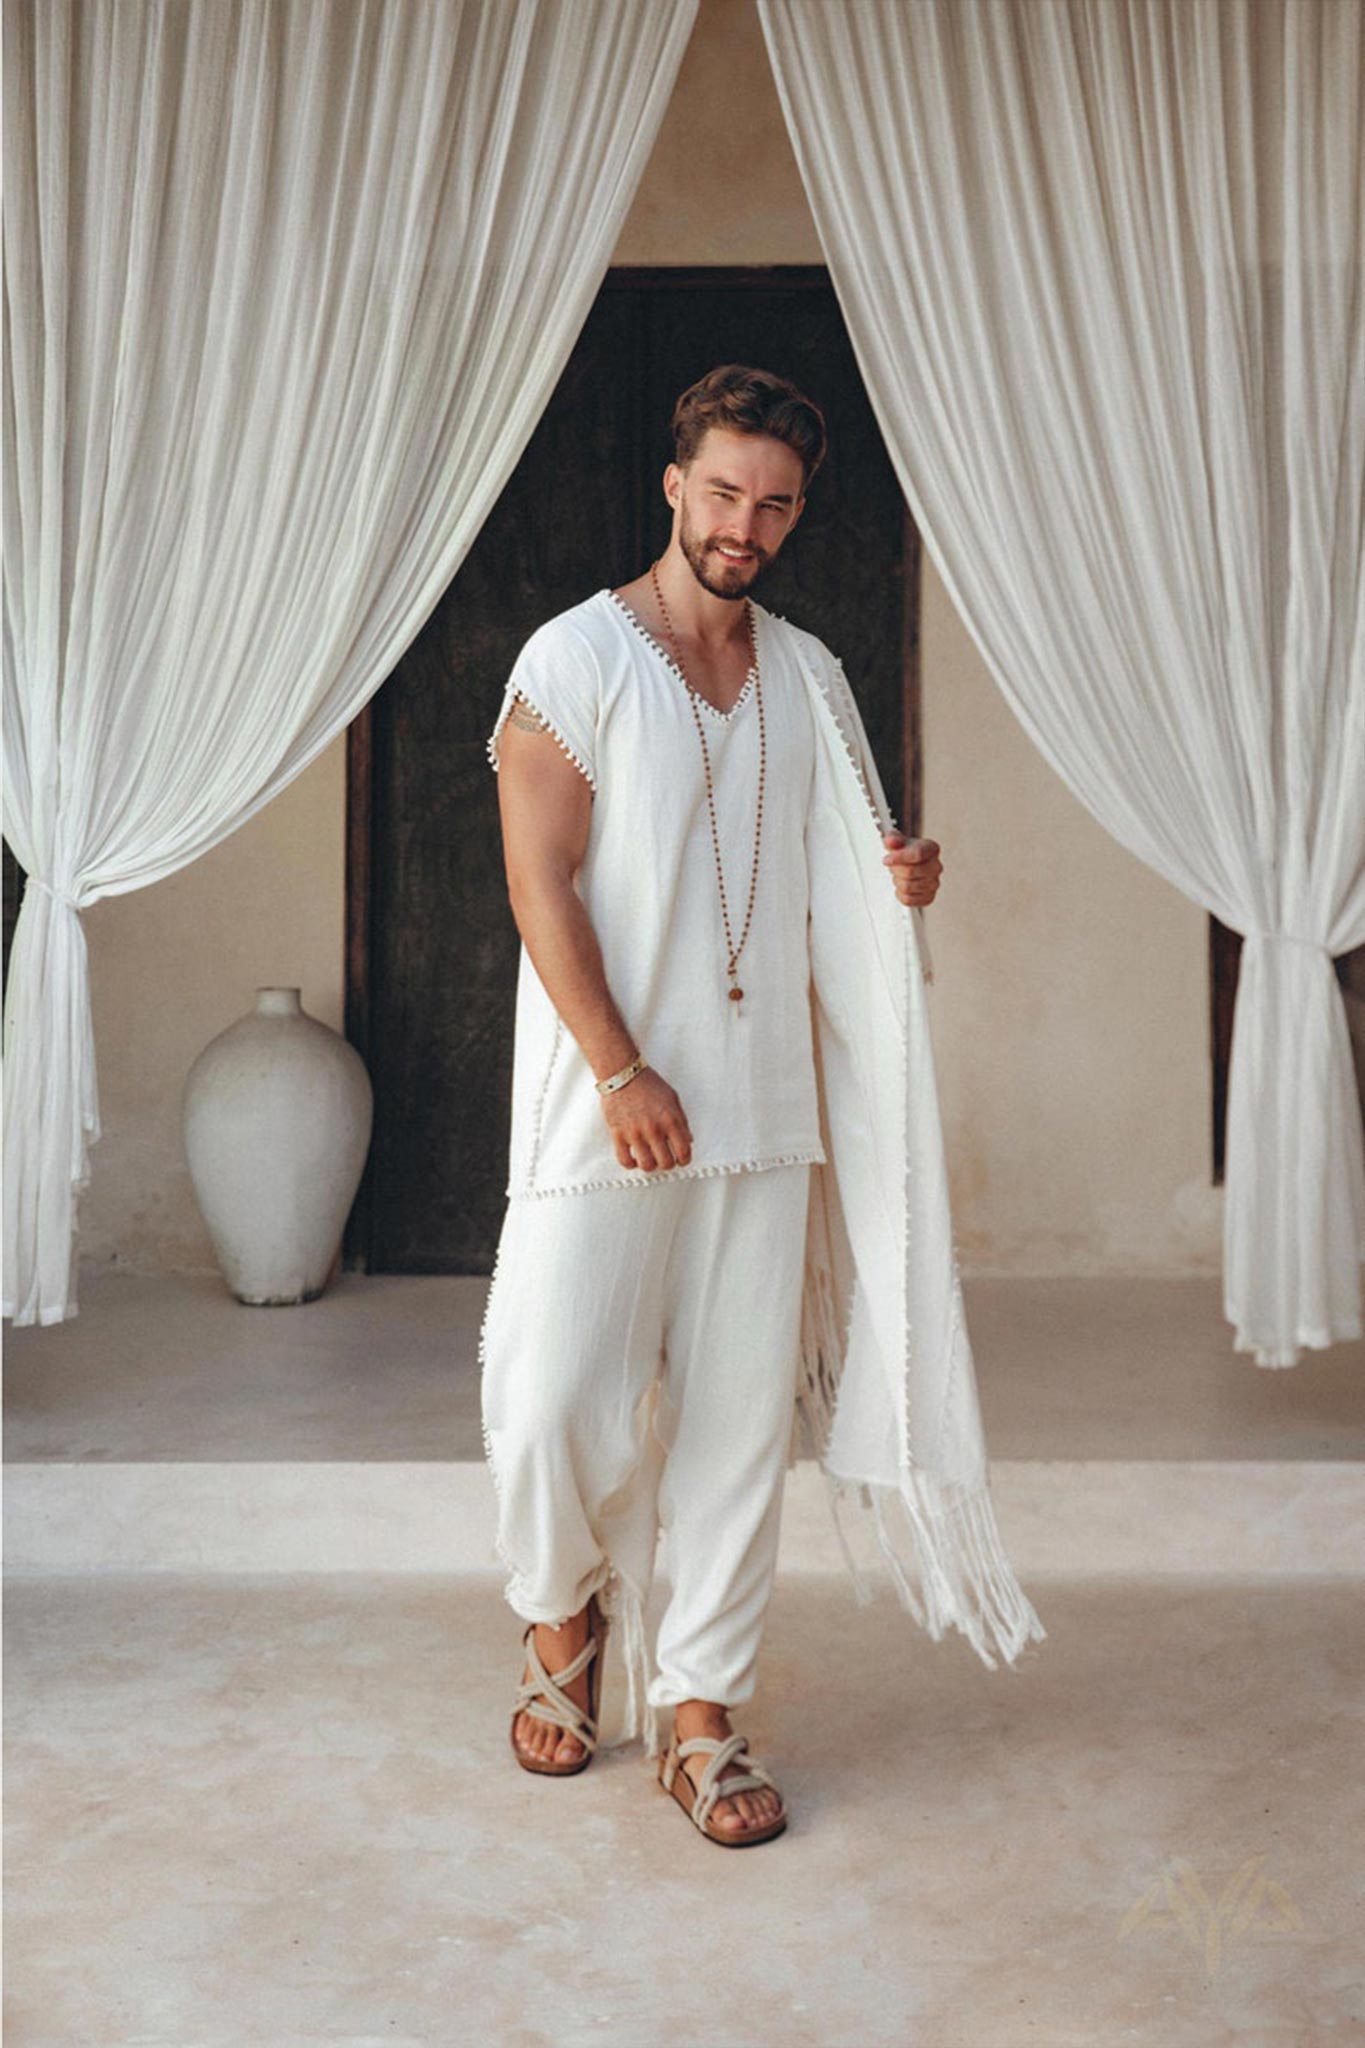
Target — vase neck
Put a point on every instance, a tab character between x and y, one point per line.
278	1002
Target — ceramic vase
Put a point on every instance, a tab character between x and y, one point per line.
277	1115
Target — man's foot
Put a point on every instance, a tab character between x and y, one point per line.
746	1809
543	1740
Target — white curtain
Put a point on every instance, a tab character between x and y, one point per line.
287	287
1102	265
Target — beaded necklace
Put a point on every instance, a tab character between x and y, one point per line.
736	993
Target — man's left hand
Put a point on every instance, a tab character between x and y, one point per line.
915	867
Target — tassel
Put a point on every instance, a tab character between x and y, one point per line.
862	1592
822	1348
964	1577
924	1559
623	1606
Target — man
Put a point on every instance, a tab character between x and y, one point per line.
656	758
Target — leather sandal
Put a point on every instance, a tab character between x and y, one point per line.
697	1803
542	1695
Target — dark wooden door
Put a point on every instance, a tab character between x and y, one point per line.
433	948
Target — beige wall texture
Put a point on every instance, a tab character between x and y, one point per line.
1070	1006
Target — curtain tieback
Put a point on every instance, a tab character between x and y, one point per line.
1289	939
57	895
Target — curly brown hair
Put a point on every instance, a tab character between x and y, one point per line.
749	401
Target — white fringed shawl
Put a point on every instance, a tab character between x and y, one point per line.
887	1385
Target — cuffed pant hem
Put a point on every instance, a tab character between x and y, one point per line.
716	1694
546	1613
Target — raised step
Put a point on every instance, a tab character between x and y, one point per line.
1068	1517
169	1427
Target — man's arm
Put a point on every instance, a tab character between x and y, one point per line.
546	807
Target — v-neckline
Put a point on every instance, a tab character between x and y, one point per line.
746	689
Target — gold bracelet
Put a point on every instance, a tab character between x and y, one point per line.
615	1081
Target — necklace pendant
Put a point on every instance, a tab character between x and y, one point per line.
736	994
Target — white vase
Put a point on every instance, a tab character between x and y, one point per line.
277	1115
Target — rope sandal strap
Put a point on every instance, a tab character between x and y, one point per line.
713	1787
556	1706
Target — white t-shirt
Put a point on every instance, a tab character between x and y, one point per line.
744	1072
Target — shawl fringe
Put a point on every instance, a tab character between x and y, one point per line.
965	1580
946	1559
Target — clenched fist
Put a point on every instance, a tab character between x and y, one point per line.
915	867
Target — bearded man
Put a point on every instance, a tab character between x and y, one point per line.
665	791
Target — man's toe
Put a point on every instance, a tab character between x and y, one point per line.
741	1806
757	1807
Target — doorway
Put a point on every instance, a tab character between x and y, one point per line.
432	949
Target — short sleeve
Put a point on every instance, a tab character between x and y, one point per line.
555	673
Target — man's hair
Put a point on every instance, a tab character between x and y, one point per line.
749	401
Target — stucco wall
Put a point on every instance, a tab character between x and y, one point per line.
1070	1009
173	965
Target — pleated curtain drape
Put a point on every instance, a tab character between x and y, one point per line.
1102	265
287	287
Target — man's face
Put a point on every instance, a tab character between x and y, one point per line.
735	504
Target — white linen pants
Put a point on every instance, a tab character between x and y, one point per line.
639	1368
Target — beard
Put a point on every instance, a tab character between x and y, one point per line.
730	580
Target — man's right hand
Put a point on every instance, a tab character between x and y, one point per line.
647	1124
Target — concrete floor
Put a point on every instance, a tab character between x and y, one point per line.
277	1805
283	1811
